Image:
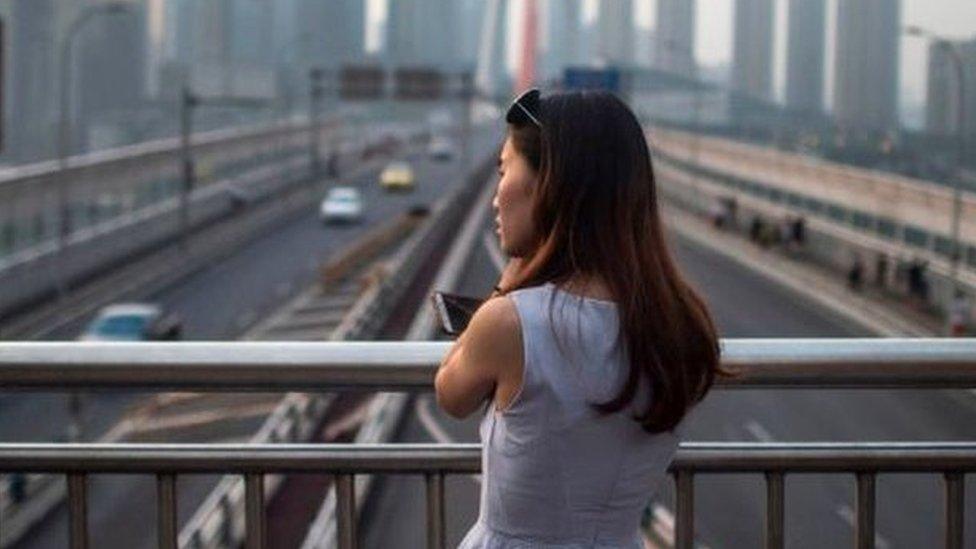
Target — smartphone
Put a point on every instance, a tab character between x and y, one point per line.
454	311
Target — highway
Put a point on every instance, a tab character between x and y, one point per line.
729	509
218	303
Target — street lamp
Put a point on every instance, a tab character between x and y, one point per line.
952	50
75	426
316	94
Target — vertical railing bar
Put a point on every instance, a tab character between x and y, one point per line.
254	511
435	511
864	525
345	509
955	497
685	510
775	495
166	511
78	510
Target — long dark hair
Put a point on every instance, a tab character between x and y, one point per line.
596	214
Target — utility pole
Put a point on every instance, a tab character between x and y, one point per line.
316	94
188	102
467	103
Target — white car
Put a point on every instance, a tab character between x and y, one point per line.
132	322
342	204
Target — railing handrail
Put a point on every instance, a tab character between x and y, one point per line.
315	366
428	458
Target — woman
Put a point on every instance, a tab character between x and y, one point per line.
592	348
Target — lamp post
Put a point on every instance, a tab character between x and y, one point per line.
316	94
952	49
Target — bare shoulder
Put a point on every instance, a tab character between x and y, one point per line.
496	322
495	337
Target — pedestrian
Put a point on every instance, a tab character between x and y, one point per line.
716	214
798	229
593	347
855	275
915	278
960	314
881	270
755	228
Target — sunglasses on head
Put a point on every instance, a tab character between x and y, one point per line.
525	109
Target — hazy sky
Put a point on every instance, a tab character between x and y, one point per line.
953	18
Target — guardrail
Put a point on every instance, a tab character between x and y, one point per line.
410	366
435	462
386	366
127	200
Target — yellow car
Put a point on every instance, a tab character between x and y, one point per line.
398	176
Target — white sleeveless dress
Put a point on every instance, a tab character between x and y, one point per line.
556	473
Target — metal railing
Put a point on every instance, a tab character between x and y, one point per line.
397	366
797	363
435	462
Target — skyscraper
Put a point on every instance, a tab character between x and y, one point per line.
866	67
491	74
805	55
752	53
674	41
422	32
561	36
251	29
110	77
471	16
330	33
942	105
32	84
615	28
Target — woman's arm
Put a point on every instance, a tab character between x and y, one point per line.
486	355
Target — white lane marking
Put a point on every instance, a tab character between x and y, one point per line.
757	430
434	428
494	251
847	514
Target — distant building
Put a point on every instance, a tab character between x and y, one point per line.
560	44
866	67
752	54
942	106
674	42
422	32
110	77
615	32
805	55
31	121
